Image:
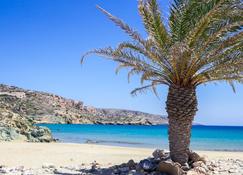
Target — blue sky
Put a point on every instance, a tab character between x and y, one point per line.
41	42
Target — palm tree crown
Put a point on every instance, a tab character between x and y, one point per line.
203	43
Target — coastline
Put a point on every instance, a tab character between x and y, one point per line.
35	155
209	138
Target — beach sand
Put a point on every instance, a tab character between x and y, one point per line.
34	155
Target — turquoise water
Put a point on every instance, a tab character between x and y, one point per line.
203	137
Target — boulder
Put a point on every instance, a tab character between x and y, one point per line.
8	134
41	134
160	155
170	168
147	165
14	126
193	157
131	164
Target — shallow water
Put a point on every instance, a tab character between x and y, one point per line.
227	138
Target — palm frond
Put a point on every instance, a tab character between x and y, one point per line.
140	90
129	59
229	66
221	11
143	89
219	53
150	13
185	14
126	28
149	52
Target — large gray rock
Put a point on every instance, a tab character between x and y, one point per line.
41	134
8	134
14	126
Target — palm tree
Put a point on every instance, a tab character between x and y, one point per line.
203	43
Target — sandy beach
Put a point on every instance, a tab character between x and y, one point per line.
34	155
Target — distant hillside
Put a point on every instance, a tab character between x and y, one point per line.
44	107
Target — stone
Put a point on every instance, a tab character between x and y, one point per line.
9	134
185	167
169	168
193	157
200	170
42	134
132	171
37	132
139	168
94	166
3	171
131	164
63	171
48	166
19	168
147	165
232	171
221	167
192	172
123	169
203	159
158	154
198	164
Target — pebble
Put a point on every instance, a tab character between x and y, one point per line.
145	167
47	165
67	172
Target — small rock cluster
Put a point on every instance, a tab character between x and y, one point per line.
159	164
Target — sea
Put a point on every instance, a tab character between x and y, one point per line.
216	138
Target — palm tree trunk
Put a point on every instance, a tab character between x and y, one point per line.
181	107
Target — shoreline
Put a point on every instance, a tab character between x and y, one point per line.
134	124
35	155
136	145
100	143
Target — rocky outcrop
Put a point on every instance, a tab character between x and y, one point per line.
49	108
13	126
